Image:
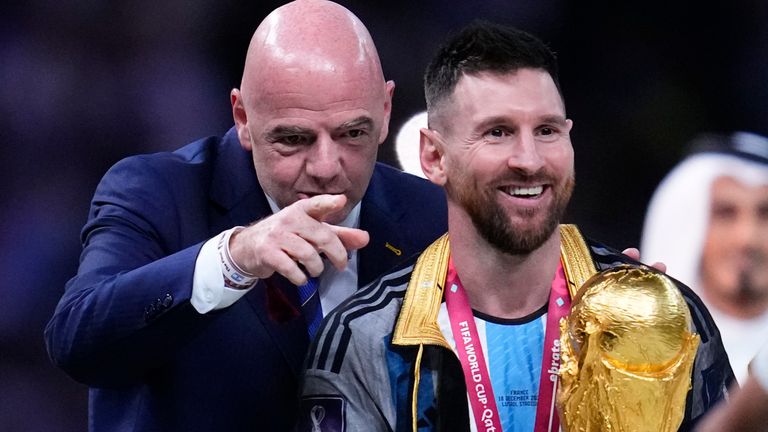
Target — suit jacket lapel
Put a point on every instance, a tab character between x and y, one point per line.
238	199
381	216
235	190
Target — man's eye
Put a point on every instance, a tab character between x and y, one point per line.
723	213
762	212
548	134
355	133
293	140
496	132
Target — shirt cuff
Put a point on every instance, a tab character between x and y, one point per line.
208	290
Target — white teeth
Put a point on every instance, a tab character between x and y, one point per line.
525	191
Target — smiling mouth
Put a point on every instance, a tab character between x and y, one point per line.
523	192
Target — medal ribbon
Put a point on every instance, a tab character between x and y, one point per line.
472	358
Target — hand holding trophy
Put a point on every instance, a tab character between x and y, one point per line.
627	354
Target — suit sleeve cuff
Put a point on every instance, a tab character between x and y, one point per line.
208	290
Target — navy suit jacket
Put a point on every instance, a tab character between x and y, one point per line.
125	326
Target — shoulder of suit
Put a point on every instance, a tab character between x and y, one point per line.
193	153
387	172
401	187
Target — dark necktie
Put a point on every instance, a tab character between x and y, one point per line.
309	297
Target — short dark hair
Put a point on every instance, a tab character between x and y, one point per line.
483	46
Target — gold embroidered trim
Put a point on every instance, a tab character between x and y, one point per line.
417	321
577	260
415	394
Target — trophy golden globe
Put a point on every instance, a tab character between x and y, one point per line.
627	354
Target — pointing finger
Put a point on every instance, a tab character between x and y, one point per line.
320	206
351	238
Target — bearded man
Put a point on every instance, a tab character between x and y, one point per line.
464	336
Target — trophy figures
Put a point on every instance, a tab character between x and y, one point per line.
627	354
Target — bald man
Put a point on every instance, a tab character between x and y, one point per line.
205	271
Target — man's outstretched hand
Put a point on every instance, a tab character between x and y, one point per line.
296	237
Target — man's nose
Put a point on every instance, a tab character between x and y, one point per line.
324	162
748	229
524	154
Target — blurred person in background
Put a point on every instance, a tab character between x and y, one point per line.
708	221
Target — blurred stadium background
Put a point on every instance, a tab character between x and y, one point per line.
86	83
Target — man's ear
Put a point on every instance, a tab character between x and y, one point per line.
431	154
389	93
241	119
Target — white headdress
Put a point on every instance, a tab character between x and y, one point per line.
678	214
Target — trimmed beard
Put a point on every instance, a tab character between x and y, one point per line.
492	222
747	290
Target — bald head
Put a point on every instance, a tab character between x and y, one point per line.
313	105
311	38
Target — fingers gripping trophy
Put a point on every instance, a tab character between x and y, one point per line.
627	354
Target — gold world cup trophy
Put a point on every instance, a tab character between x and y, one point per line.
627	354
